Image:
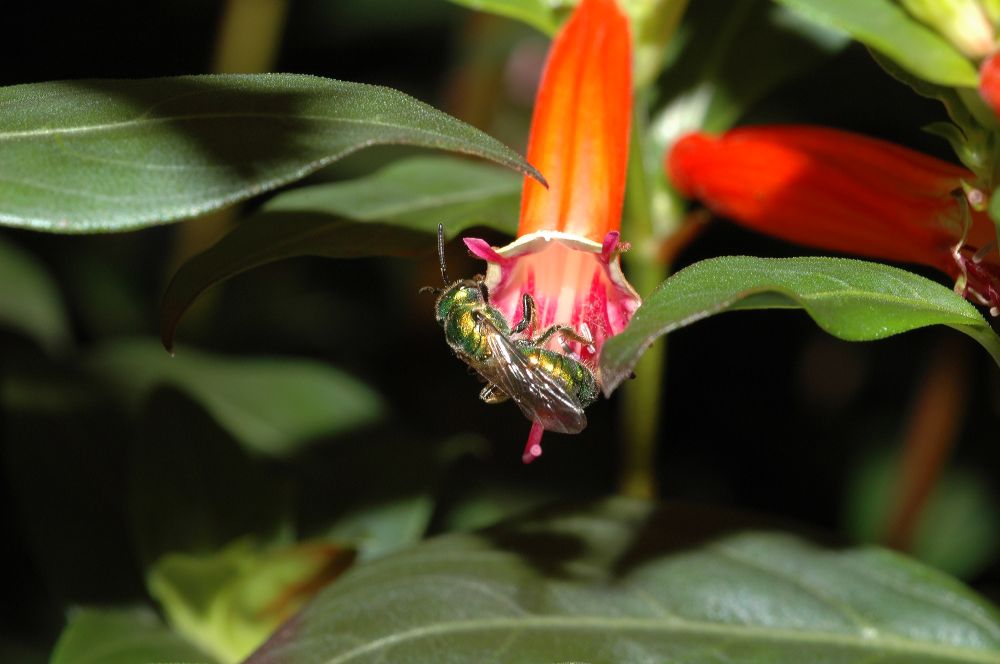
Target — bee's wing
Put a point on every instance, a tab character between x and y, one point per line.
541	398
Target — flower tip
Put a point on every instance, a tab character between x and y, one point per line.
610	244
481	249
683	159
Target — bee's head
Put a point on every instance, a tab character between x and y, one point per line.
462	293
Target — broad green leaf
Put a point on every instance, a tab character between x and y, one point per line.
393	212
623	581
886	27
29	299
850	299
230	601
122	636
271	405
541	14
112	155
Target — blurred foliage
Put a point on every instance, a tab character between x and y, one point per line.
313	420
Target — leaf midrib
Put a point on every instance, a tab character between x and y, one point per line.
137	122
677	626
920	305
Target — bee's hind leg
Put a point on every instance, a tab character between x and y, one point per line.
493	394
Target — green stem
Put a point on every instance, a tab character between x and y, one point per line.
641	396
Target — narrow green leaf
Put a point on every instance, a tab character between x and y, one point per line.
112	155
416	193
886	27
29	299
122	636
271	405
623	581
850	299
393	212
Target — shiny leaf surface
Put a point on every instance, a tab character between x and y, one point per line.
624	581
850	299
112	155
886	27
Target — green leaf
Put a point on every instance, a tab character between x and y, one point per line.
416	193
393	212
272	405
107	155
886	27
29	299
623	581
850	299
230	601
122	636
545	15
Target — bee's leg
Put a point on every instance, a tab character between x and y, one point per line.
565	331
528	315
567	348
493	394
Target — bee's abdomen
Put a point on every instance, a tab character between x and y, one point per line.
567	371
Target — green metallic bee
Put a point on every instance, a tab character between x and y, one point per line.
550	388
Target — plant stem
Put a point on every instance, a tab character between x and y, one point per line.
935	424
641	396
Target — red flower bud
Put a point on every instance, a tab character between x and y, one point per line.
845	192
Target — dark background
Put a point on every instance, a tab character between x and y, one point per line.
761	411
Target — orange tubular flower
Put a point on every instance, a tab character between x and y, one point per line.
567	248
844	192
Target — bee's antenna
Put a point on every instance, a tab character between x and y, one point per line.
444	268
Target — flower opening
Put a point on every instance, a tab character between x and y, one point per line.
841	191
